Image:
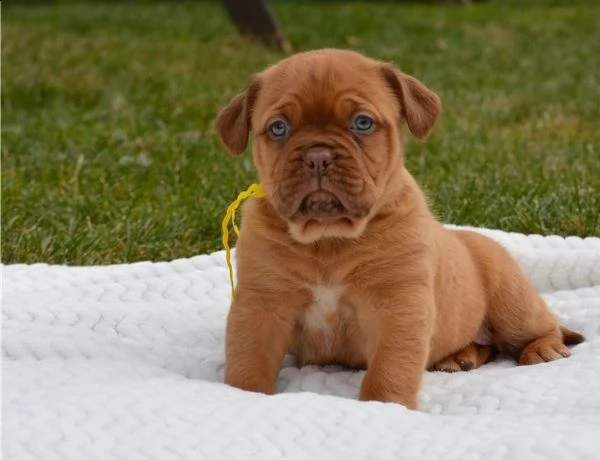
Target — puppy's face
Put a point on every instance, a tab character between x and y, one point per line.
327	137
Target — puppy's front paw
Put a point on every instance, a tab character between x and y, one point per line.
544	349
249	380
373	389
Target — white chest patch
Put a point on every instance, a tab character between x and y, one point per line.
326	303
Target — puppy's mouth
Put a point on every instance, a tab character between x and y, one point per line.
322	205
323	214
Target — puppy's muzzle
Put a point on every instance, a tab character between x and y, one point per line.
321	204
317	160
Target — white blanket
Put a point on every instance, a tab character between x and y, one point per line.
126	362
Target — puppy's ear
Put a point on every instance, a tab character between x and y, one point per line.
233	121
419	106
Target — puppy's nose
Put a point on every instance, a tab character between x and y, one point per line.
317	160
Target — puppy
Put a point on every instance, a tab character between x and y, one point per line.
343	262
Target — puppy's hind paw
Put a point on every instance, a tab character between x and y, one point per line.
448	364
470	357
544	349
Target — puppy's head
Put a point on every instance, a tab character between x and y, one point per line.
327	128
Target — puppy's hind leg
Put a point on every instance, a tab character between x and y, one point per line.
523	325
519	319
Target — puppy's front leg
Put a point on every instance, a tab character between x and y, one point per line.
259	331
399	349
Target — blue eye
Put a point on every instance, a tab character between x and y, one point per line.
363	123
279	129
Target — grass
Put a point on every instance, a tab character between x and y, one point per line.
108	151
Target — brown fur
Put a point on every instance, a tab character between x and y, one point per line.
377	282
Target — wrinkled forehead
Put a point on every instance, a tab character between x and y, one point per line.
319	91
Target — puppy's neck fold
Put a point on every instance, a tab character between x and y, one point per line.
403	197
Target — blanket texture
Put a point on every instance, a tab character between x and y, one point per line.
126	362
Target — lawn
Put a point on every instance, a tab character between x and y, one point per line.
108	150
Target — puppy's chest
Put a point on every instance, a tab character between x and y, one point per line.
329	307
328	331
326	310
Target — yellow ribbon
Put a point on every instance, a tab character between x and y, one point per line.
255	190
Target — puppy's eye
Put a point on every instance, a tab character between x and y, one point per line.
279	129
363	124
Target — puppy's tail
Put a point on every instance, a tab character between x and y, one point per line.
571	337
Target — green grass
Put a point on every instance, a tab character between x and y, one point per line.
90	89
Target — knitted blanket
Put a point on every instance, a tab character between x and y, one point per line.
126	362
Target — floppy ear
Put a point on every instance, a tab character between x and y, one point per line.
233	121
419	106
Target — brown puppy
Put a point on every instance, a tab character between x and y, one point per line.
343	262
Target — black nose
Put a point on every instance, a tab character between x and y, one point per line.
317	160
